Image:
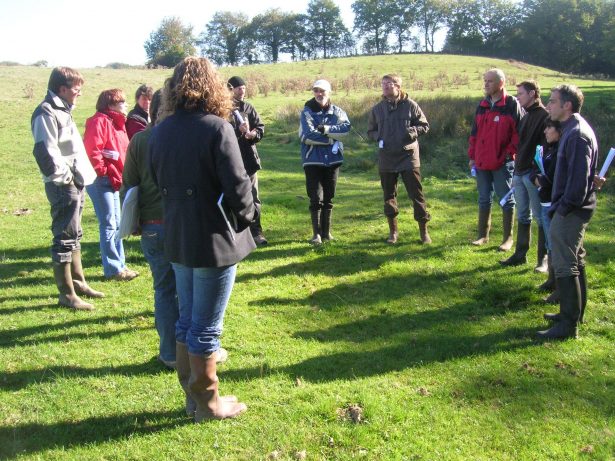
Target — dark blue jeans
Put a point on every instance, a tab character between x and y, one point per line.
166	309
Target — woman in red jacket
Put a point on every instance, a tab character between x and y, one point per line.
106	142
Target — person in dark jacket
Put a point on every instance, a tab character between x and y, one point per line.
396	123
573	201
531	136
492	150
544	183
66	170
207	209
138	117
322	126
137	174
249	130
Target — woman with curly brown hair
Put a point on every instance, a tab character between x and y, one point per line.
197	165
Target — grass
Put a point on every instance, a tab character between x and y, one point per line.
433	344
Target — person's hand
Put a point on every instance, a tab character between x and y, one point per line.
536	181
599	182
250	134
471	164
244	127
321	128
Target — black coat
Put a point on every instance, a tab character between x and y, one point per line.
194	157
249	154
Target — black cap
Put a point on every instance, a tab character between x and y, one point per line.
234	82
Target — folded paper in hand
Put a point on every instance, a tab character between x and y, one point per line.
129	221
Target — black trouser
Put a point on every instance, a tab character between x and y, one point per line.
412	181
66	209
320	182
255	226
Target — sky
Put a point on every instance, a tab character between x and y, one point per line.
89	33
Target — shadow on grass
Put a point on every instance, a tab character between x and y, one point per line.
13	381
25	439
19	336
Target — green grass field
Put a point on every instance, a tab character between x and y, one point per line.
433	344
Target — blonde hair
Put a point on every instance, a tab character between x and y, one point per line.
196	85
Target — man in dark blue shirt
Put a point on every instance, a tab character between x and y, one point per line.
573	201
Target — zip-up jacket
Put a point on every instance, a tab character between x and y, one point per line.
136	121
58	148
531	134
322	148
494	137
249	154
577	159
106	143
397	125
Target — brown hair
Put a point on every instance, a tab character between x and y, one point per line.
196	85
144	90
64	76
531	85
571	94
154	108
109	98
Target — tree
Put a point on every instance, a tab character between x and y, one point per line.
295	30
326	27
403	17
431	17
222	38
372	21
171	43
271	32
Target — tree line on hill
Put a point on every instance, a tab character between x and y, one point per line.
569	35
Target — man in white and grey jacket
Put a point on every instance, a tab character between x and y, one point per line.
66	170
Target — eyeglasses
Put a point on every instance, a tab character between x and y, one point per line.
388	83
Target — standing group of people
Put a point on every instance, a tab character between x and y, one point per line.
197	171
543	160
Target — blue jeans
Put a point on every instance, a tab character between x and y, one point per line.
500	180
203	294
527	200
166	310
106	203
546	225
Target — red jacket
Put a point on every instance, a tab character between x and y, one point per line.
106	143
494	136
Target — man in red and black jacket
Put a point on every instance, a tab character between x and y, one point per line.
493	146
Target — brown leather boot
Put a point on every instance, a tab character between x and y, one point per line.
182	364
484	225
425	238
392	239
79	283
507	230
64	282
203	385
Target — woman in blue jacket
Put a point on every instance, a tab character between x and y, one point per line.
323	126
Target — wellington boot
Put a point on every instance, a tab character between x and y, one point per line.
315	216
182	365
484	226
542	265
569	311
519	257
79	283
203	385
424	233
393	231
549	284
64	282
325	224
507	230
